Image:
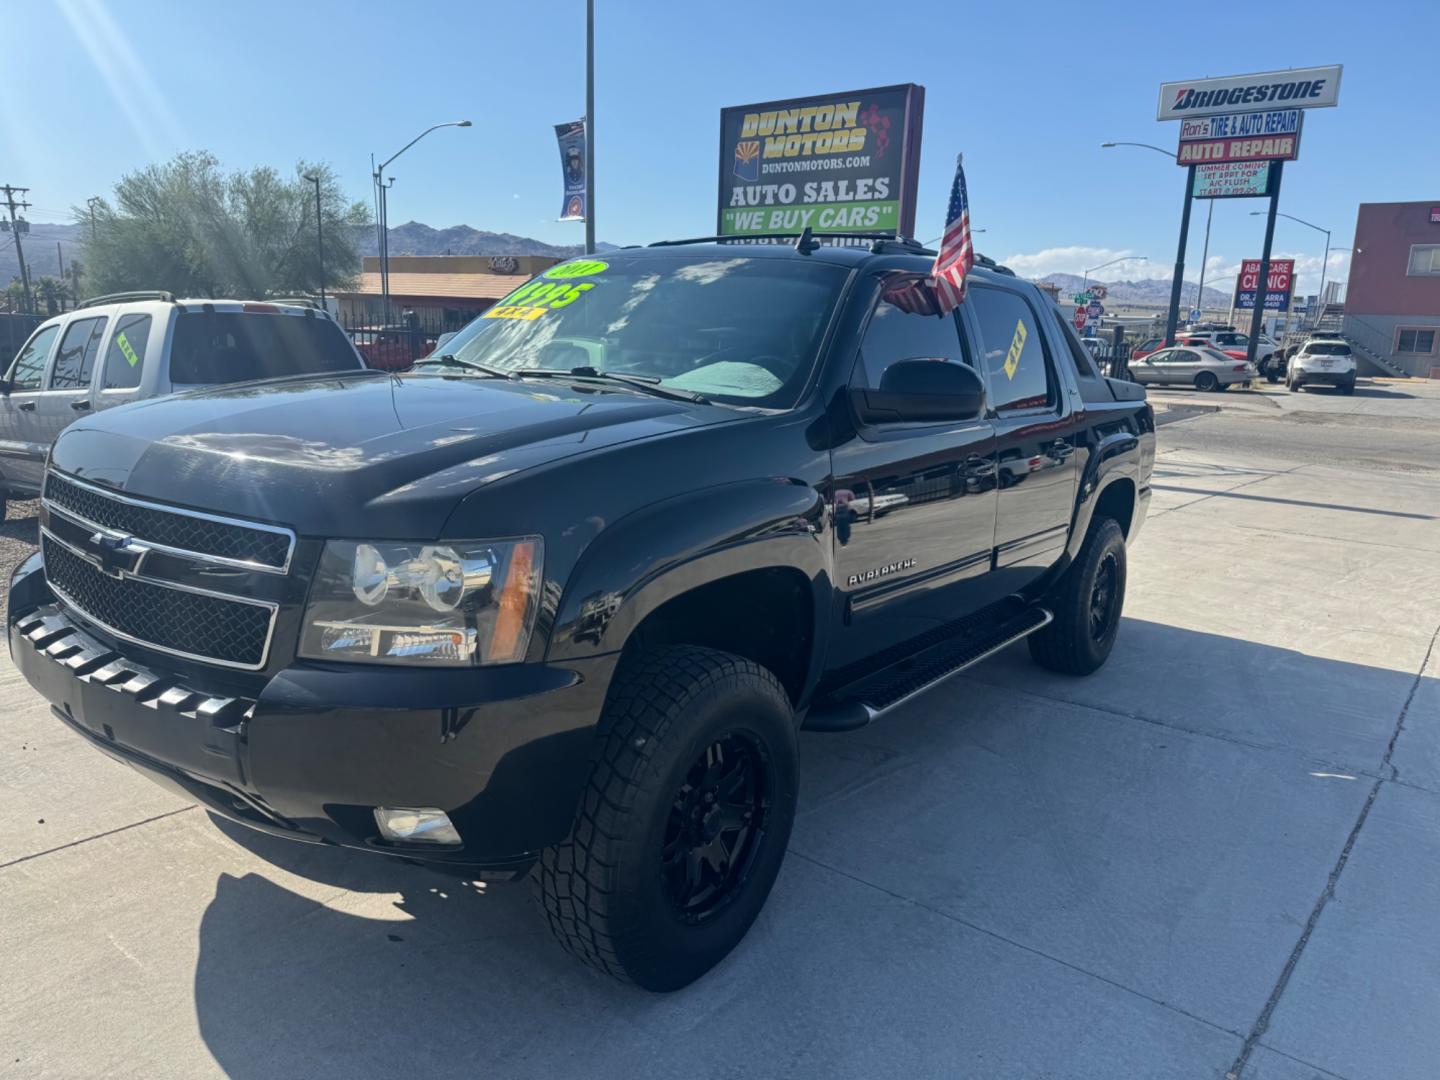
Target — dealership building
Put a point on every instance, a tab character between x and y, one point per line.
1392	303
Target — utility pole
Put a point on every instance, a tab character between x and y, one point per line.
90	202
1204	258
61	256
11	204
589	127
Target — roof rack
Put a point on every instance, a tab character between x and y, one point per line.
126	297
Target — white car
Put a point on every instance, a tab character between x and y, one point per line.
1322	362
129	346
1198	366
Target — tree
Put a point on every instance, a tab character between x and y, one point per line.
191	229
51	292
14	296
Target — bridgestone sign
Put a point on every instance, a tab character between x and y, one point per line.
1299	88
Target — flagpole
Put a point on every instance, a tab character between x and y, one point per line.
589	127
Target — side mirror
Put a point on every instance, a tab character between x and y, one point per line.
921	391
4	387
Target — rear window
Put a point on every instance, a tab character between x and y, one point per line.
231	346
1328	348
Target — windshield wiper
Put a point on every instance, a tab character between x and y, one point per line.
649	383
451	360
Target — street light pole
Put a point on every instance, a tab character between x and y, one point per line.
319	234
1324	264
1177	283
589	127
1204	258
384	218
90	202
1085	280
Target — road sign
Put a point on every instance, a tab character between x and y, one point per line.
1094	309
1079	318
1089	330
1194	314
1099	292
1232	180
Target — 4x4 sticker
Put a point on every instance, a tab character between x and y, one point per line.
1017	346
535	298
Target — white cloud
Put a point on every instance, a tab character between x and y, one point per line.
1076	260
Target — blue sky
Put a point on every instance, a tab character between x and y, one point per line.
1027	91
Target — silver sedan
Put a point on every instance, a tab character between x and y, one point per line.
1202	368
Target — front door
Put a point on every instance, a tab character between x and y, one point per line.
22	443
1034	436
913	504
67	388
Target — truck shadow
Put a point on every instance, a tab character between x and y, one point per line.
390	970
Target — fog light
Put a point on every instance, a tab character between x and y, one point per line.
424	825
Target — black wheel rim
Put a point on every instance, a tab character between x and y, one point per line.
1104	598
716	826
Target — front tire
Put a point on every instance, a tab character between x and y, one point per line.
1087	604
683	824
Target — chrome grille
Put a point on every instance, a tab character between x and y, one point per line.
201	534
202	626
119	562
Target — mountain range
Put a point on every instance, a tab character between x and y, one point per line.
1150	291
412	238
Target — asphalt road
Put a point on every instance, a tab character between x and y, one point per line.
1218	855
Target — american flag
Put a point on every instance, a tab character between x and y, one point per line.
944	287
956	255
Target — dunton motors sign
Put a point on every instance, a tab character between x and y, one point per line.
1298	88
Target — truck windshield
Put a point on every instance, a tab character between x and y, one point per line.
214	347
740	330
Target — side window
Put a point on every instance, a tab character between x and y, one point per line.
1015	357
76	359
897	334
125	358
29	366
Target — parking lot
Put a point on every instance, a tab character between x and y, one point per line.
1218	855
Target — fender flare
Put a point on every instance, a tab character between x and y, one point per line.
1115	459
669	548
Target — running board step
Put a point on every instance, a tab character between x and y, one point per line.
856	705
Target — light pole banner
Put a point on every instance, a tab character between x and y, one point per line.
571	137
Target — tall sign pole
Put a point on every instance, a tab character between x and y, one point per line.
1179	280
1257	317
590	127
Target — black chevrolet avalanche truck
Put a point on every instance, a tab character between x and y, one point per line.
558	602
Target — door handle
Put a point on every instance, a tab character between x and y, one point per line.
26	406
979	465
80	406
1060	449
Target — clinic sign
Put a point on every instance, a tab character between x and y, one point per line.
1298	88
836	163
1277	285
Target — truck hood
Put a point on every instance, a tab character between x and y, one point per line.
373	454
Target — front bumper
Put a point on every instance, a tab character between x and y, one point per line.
503	751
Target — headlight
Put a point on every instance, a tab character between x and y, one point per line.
461	603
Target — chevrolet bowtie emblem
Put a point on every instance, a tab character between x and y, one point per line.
116	556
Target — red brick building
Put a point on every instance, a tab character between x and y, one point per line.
1392	303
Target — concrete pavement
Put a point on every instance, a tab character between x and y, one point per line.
1218	853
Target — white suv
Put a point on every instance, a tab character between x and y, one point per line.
1323	361
129	346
